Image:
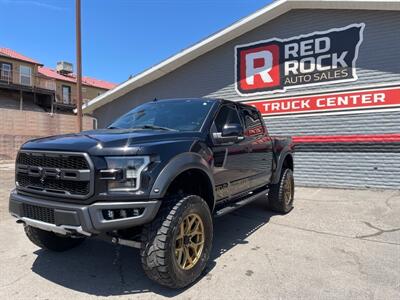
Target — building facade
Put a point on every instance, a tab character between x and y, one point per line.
325	72
28	85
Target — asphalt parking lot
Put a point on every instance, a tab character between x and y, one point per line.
335	244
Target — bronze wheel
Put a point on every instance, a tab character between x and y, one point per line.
287	191
177	244
189	242
281	194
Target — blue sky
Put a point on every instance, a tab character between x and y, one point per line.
120	37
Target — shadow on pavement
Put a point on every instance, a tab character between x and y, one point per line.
102	269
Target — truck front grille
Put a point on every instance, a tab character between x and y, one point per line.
39	213
75	162
55	174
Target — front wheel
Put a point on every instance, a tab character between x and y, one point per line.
177	244
281	195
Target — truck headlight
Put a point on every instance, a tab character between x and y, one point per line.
123	173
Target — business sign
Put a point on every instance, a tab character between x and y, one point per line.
365	99
276	65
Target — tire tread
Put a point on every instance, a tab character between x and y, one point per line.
154	249
275	195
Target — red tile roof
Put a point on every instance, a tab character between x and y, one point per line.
72	78
98	83
53	74
13	54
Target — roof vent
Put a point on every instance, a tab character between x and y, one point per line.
64	67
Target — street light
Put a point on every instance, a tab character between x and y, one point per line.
78	66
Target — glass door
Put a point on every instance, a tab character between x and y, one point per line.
66	94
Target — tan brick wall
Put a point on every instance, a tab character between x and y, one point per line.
17	127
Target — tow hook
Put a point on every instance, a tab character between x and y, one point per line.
123	242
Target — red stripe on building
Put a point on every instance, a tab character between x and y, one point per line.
367	138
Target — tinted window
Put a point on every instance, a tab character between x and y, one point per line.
252	121
181	115
226	115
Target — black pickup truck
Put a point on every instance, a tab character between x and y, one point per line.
153	180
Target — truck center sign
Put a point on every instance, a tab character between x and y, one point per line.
365	99
276	65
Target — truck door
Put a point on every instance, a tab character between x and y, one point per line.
259	146
231	171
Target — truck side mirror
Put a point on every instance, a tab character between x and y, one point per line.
232	130
231	133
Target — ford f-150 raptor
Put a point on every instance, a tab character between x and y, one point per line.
153	180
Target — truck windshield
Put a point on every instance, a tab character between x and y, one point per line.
176	115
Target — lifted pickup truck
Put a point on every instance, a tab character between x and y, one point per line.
153	180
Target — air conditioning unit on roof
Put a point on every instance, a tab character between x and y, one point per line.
64	67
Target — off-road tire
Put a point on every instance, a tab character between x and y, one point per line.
158	242
276	196
51	241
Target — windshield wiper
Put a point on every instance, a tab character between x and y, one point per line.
113	127
149	126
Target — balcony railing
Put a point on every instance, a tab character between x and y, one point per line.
12	77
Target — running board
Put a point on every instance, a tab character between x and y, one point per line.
229	207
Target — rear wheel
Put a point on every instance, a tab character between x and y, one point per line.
51	241
177	244
281	195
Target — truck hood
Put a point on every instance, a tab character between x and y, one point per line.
112	141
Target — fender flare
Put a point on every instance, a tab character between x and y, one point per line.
282	156
177	166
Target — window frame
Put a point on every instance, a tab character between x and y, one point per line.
22	74
2	77
242	108
235	107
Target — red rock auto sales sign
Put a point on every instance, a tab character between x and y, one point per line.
276	65
366	99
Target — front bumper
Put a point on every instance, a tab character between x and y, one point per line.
69	218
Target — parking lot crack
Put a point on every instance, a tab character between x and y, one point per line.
354	257
118	262
379	231
362	237
338	235
387	201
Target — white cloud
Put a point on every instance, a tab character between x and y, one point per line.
36	3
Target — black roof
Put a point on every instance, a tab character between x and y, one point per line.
223	101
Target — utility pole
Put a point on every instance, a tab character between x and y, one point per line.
78	66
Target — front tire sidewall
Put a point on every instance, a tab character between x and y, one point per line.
159	238
186	277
